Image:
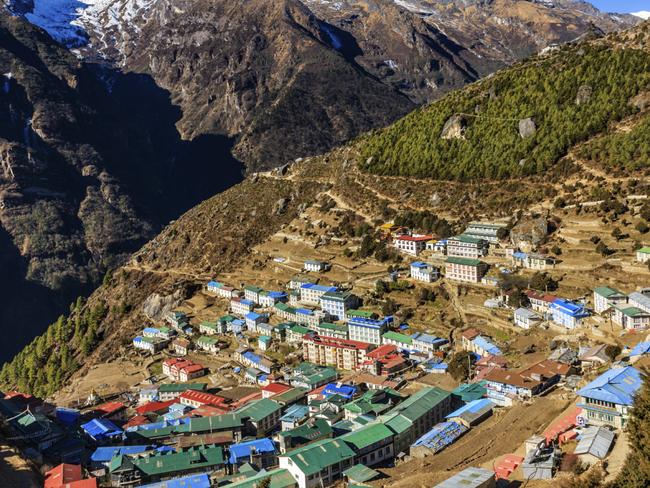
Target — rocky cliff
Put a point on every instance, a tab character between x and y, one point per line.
84	181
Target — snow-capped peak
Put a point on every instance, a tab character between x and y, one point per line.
644	14
77	23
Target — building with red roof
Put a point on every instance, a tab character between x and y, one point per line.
540	302
332	351
411	244
386	361
111	410
156	407
68	476
196	399
181	369
208	411
274	389
135	421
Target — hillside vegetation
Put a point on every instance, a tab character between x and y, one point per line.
621	151
570	95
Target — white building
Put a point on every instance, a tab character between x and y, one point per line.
368	330
605	297
337	303
424	272
526	319
467	247
411	244
643	254
241	306
311	293
252	293
487	231
315	266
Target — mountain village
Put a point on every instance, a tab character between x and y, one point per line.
310	383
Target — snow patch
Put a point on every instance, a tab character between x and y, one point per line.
644	14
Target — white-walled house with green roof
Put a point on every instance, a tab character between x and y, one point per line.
643	254
318	464
605	297
464	246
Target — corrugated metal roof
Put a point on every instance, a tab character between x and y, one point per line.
468	478
618	385
595	441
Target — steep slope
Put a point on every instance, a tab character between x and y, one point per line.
293	78
81	176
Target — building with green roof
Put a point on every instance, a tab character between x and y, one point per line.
360	474
289	397
311	431
278	478
372	402
227	422
318	464
372	443
464	269
468	392
327	329
165	465
416	415
310	375
208	343
605	297
364	314
643	254
261	416
396	339
169	391
210	328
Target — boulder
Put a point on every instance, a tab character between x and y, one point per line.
281	206
584	94
527	128
454	128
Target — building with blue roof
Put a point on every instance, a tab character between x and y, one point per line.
483	347
311	292
346	391
101	430
103	455
294	416
191	481
368	330
568	314
259	452
253	319
427	343
608	398
472	413
424	272
641	349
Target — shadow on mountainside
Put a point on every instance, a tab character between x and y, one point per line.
153	177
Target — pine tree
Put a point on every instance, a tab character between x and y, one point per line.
636	471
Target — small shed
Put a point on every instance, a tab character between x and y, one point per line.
359	473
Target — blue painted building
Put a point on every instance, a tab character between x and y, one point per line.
568	314
607	399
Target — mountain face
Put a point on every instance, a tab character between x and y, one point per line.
85	177
291	78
